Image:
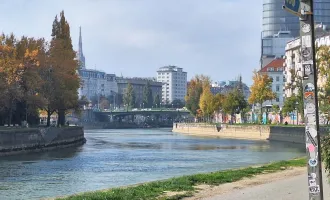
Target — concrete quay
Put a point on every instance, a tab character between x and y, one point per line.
250	132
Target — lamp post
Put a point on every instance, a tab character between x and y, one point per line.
296	108
304	10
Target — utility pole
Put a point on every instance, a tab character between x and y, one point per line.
304	10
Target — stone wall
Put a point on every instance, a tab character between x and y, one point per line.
253	132
13	141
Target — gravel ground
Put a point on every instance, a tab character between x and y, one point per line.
285	185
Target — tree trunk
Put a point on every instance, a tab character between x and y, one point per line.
48	117
10	115
61	117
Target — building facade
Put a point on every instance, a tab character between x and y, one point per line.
138	85
96	83
293	65
275	71
174	81
93	82
224	87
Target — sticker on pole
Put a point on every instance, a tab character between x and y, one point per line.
292	6
314	189
312	162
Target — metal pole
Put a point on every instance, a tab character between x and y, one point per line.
304	10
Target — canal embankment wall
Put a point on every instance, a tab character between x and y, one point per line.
251	132
20	140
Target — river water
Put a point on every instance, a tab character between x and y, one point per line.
113	158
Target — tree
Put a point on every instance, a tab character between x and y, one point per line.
261	90
157	100
129	96
147	95
64	68
290	105
206	102
234	103
177	103
296	83
194	91
218	101
104	103
323	62
276	109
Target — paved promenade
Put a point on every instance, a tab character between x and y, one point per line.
289	184
293	188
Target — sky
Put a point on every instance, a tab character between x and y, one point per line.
133	38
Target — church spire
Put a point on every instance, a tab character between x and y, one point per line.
81	56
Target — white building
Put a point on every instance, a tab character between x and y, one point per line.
96	83
275	70
293	59
174	81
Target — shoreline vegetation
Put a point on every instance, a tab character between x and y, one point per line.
185	186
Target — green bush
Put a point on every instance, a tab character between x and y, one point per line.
325	147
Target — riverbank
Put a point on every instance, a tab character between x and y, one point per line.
23	140
293	134
187	186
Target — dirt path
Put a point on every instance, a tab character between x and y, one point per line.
290	184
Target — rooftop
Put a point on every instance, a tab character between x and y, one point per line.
274	66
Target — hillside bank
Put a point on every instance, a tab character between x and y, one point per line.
294	134
21	140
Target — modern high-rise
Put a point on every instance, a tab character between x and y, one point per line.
275	19
174	81
280	27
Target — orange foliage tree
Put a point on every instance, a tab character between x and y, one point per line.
261	90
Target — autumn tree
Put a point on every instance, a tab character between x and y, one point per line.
129	96
194	91
63	67
206	102
218	101
261	90
19	67
147	95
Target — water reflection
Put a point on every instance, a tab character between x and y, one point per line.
112	158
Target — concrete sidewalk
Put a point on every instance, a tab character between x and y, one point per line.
293	188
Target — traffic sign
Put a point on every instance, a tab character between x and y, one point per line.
292	6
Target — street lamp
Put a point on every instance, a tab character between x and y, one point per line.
296	107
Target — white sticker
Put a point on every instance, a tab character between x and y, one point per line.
314	189
306	28
312	182
306	41
313	175
312	162
310	108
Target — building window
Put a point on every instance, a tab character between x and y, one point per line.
277	99
277	88
277	78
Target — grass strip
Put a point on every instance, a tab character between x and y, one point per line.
157	189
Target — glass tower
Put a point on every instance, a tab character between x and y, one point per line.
276	19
